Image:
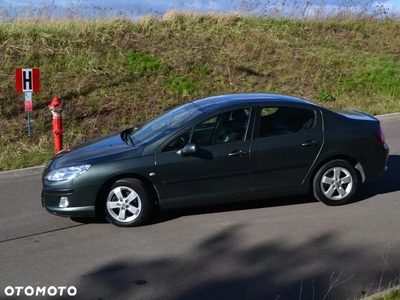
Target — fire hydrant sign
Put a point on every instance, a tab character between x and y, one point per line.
28	101
27	80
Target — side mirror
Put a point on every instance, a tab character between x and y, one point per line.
189	149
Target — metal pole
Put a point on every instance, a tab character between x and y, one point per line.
29	123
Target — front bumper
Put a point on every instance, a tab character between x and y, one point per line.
81	201
84	211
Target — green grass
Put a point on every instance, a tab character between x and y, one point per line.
142	64
391	294
114	73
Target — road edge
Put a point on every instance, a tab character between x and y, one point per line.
392	116
39	169
21	172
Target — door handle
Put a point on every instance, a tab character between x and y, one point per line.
309	143
237	153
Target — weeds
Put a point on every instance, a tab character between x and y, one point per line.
182	86
325	96
143	63
116	72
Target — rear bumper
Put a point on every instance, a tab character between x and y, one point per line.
378	174
379	165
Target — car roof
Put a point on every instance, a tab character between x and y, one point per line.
215	102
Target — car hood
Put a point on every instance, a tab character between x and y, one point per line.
102	149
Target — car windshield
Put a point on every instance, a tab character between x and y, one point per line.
164	124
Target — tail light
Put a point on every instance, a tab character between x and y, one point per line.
379	136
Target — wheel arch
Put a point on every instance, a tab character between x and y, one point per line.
100	198
351	160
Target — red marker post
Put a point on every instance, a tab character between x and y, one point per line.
27	81
56	107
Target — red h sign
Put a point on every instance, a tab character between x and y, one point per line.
27	80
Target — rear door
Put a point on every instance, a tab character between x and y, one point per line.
287	142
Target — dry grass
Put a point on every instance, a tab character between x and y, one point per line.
114	73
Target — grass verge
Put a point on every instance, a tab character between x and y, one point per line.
114	73
391	294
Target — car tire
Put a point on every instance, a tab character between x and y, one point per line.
128	203
335	183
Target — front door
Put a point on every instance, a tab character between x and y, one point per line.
218	171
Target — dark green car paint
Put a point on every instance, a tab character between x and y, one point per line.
252	168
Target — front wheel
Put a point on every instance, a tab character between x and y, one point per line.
128	203
335	183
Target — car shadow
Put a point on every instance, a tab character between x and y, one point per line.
161	216
85	220
387	183
168	215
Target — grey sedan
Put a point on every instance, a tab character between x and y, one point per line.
219	149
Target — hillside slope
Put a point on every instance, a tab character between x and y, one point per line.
115	73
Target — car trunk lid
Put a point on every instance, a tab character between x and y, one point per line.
356	115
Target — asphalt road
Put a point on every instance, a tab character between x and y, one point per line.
273	249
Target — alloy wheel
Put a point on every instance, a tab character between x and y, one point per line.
336	183
123	204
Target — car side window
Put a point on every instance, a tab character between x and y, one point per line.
224	128
285	120
179	142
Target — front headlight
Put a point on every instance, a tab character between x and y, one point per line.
67	173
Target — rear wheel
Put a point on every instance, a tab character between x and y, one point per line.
335	183
128	203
